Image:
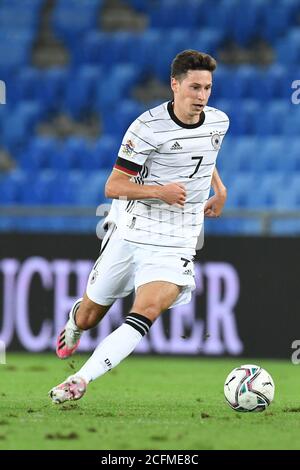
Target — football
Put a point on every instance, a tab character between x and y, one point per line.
249	388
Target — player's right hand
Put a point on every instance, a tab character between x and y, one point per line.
173	193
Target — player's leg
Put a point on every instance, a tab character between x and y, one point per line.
84	315
111	278
155	297
151	300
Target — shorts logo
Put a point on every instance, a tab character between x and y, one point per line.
188	272
128	148
94	277
216	141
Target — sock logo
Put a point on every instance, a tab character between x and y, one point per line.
108	363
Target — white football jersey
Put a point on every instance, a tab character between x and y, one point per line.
116	213
158	149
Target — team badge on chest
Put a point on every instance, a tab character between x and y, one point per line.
216	141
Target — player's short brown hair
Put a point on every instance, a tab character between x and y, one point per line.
191	60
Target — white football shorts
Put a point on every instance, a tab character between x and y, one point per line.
122	267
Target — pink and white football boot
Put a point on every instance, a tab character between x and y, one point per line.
69	338
72	389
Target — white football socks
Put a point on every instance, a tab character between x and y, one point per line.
71	322
115	347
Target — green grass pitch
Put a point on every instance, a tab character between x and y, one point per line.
145	403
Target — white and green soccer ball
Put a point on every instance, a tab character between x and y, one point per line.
249	388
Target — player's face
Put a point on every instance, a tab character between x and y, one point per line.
191	93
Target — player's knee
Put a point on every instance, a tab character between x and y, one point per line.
151	311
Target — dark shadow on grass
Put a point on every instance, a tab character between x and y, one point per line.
292	410
59	436
37	369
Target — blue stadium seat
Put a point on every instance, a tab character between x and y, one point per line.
87	4
272	155
247	20
221	79
278	17
269	121
94	48
8	193
227	106
238	191
71	21
291	158
273	83
241	115
123	47
207	40
119	45
11	185
295	182
38	192
214	12
139	5
34	5
38	153
53	86
6	224
75	151
173	41
121	80
26	86
285	199
15	49
273	181
288	48
92	192
225	154
292	121
118	122
174	13
245	154
233	226
145	49
250	109
68	155
285	227
18	18
238	83
262	198
19	125
66	186
104	153
4	113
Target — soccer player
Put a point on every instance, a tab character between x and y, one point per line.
165	169
85	313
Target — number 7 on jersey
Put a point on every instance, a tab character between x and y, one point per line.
197	166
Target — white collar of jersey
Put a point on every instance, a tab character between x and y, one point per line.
182	124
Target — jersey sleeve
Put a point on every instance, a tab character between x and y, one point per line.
137	144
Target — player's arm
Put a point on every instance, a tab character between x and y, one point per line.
119	185
218	185
215	204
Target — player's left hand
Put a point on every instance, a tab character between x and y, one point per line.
214	205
